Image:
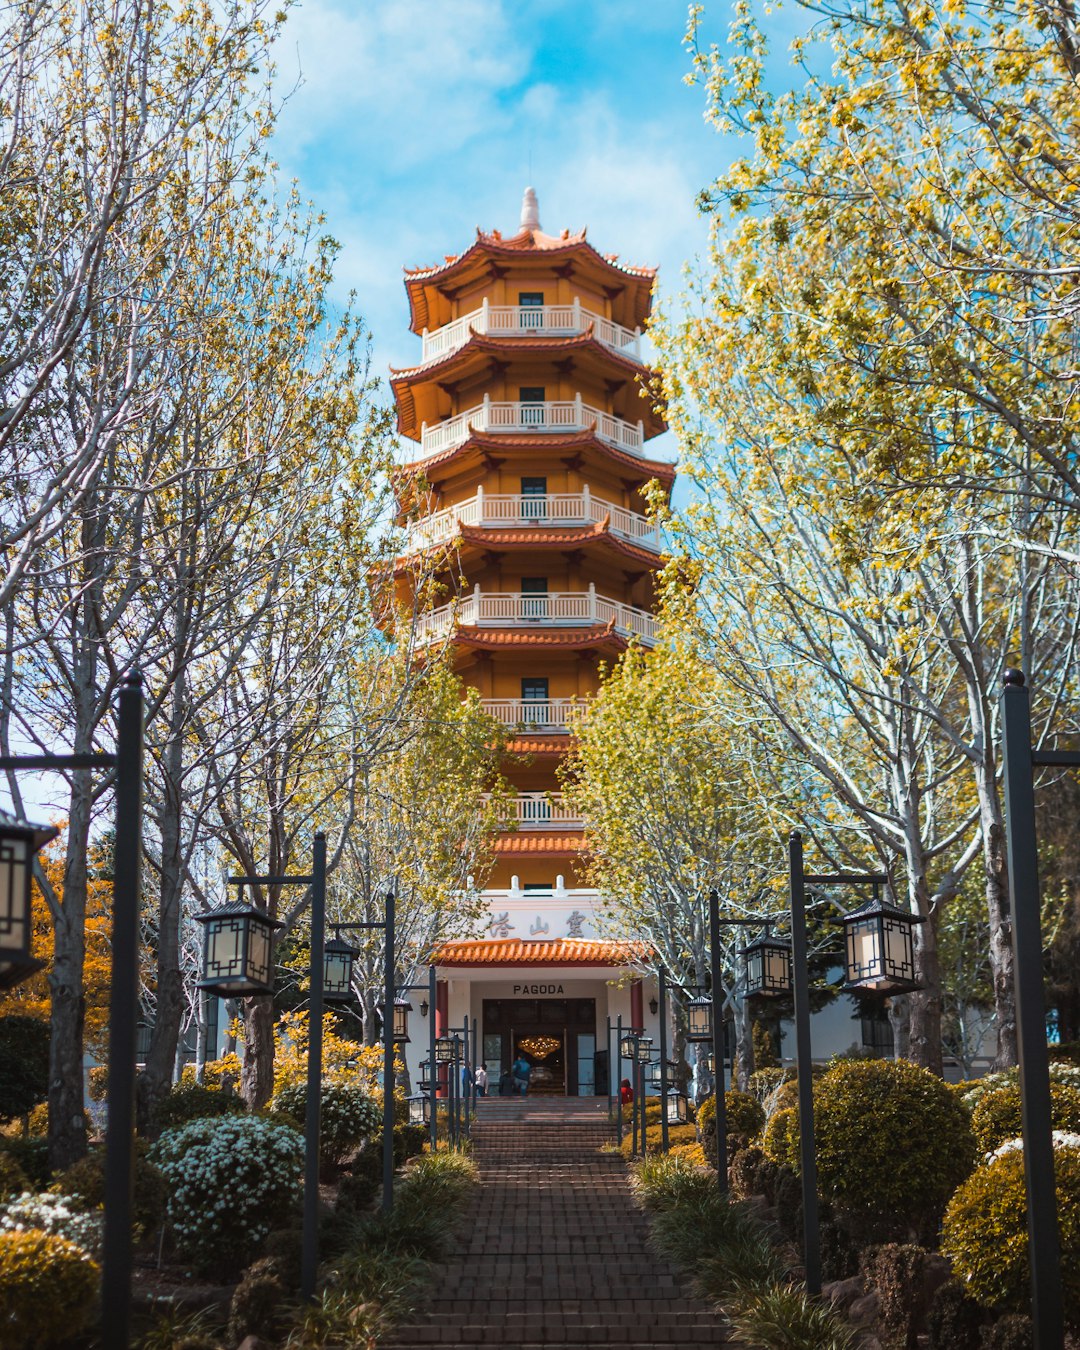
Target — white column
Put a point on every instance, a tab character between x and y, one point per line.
577	314
484	315
486	414
586	497
480	504
579	419
592	601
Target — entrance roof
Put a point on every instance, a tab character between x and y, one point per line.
559	952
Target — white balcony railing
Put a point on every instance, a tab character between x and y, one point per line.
551	609
540	811
531	419
517	510
548	714
530	321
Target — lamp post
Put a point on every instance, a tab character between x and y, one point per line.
16	965
1044	1243
879	959
238	947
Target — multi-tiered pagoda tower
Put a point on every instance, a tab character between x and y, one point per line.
531	426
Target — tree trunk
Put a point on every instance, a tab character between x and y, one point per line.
157	1076
925	1004
999	916
67	1125
744	1044
900	1021
257	1077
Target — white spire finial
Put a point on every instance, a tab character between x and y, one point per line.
530	210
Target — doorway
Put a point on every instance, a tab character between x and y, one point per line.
557	1036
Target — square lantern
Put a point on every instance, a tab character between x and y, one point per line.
402	1009
444	1050
19	841
880	945
426	1080
768	967
644	1049
628	1046
420	1110
699	1019
675	1107
238	951
655	1074
338	961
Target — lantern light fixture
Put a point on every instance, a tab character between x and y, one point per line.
444	1050
675	1107
238	950
644	1049
427	1082
767	964
880	947
338	958
655	1071
628	1045
654	1006
699	1018
19	841
402	1009
420	1109
423	1007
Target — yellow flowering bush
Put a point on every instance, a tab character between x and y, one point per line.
48	1288
985	1231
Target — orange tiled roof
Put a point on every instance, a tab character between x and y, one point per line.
570	640
550	446
496	345
539	841
538	745
559	952
598	532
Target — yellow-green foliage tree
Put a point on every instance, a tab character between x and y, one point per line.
666	778
872	404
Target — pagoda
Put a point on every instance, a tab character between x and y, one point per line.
529	421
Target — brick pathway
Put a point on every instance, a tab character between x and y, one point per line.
553	1251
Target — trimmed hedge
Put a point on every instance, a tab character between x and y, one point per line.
985	1232
997	1115
48	1289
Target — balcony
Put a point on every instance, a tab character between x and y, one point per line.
525	610
546	714
517	511
543	321
540	811
532	419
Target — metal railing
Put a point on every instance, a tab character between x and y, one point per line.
530	321
524	510
530	419
540	811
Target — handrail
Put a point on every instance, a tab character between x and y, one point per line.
539	810
527	712
524	510
529	321
552	609
530	419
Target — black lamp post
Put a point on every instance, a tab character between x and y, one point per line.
124	995
1044	1242
878	960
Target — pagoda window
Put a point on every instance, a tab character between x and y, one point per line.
531	397
534	499
530	309
534	598
534	690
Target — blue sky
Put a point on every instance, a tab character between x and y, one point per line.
410	122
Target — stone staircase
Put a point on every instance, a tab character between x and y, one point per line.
553	1251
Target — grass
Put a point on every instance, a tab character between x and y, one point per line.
733	1260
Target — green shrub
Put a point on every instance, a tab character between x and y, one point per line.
744	1118
13	1180
360	1185
716	1240
896	1271
284	1247
955	1321
409	1141
54	1214
784	1317
48	1289
24	1065
892	1144
780	1137
195	1101
97	1082
662	1181
985	1232
997	1115
32	1155
764	1082
972	1092
258	1303
231	1181
1013	1332
654	1138
347	1118
84	1182
764	1040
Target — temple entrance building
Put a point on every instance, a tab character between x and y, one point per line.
530	430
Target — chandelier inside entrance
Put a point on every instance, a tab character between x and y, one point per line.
539	1046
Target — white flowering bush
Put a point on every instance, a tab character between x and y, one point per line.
973	1092
54	1214
347	1118
231	1181
1062	1139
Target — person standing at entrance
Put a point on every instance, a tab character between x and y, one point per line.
521	1071
481	1081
